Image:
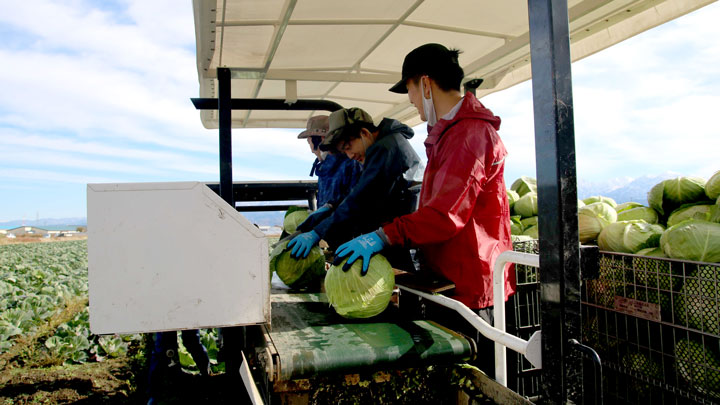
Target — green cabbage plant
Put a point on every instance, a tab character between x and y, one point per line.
527	205
524	185
715	212
627	205
712	187
529	221
647	214
692	239
697	305
516	227
293	218
669	194
531	231
689	211
629	236
592	218
512	198
303	273
697	365
599	198
356	296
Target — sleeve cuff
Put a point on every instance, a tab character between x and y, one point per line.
383	237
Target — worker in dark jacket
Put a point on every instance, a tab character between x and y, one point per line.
382	192
336	173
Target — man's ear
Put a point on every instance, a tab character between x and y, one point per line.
365	132
426	82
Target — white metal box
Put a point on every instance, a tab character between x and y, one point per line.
168	256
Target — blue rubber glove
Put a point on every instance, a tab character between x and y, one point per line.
364	246
303	243
314	218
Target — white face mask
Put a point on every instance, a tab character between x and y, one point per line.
323	155
428	106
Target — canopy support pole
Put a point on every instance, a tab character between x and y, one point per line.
557	200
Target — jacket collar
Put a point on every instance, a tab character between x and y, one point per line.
471	108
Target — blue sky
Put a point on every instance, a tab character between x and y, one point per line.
96	92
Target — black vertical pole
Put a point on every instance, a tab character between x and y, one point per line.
225	124
557	199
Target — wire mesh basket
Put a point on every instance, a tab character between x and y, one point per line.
524	320
655	323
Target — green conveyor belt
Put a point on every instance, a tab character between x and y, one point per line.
312	340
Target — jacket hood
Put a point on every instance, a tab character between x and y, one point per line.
389	125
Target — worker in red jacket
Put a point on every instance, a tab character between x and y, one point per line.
463	220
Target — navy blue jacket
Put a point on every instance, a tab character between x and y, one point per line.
337	174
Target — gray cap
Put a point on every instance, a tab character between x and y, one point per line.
316	126
342	118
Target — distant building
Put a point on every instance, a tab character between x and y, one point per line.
27	231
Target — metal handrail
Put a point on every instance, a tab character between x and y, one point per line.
530	348
533	349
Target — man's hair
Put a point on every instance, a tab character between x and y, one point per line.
351	132
448	76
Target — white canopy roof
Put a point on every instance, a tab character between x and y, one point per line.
351	52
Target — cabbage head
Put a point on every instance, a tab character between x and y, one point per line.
692	239
512	197
524	185
300	273
690	211
293	219
642	363
640	235
647	214
527	205
516	227
654	273
712	187
581	203
715	213
697	305
627	205
629	236
592	218
669	194
652	252
529	221
356	296
696	364
599	198
531	231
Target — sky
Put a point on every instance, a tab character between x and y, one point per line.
99	92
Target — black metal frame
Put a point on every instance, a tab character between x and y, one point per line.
225	104
271	191
557	199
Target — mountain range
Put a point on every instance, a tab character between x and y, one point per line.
45	222
623	189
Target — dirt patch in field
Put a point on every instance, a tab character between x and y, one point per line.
111	382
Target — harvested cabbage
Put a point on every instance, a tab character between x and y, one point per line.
356	296
302	273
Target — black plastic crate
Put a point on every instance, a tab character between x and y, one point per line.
654	323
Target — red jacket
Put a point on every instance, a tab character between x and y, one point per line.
463	221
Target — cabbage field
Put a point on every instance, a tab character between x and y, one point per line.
46	349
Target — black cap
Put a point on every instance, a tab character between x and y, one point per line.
433	60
